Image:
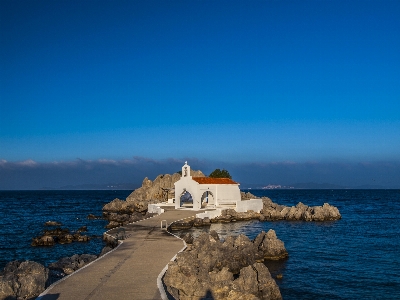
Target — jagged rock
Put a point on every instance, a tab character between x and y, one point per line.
206	270
68	265
23	280
248	196
273	211
270	246
119	206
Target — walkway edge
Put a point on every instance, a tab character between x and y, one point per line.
46	291
160	284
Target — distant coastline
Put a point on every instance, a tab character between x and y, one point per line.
311	186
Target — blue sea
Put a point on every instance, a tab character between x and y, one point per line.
355	257
23	214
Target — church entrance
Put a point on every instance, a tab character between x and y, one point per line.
186	199
207	199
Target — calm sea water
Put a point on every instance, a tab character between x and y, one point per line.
355	257
23	213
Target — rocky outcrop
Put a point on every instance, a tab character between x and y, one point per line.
247	196
153	190
119	212
270	212
61	236
207	269
273	211
23	280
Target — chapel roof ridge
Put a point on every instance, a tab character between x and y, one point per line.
210	180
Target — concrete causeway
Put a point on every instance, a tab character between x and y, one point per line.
131	270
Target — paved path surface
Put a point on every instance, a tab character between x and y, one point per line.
129	272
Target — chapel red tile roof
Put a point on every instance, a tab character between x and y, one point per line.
209	180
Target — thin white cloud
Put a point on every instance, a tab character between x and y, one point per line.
28	163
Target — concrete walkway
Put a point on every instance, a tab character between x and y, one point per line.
130	271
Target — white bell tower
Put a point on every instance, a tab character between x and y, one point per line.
186	170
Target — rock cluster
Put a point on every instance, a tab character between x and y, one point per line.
60	235
232	269
270	212
23	280
273	211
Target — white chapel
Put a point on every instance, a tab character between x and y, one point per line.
206	191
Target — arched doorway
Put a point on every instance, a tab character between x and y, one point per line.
207	199
186	199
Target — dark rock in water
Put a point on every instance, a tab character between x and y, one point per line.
273	211
45	240
61	236
68	265
270	246
65	239
82	229
93	217
52	223
56	232
81	238
22	280
209	266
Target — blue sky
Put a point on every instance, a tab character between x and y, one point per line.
225	83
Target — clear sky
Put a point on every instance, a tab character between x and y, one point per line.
225	83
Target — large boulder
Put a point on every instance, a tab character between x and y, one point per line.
270	246
23	280
207	269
